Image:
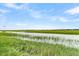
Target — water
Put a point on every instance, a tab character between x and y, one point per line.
64	39
74	44
64	36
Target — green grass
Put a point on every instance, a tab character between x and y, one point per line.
71	31
30	36
10	46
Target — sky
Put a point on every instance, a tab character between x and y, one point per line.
39	16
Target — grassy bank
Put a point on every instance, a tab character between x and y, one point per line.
10	46
76	32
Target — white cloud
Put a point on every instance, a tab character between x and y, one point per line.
39	14
30	26
59	18
73	11
13	5
62	19
36	14
21	24
2	11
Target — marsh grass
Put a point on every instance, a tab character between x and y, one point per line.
60	31
30	36
11	46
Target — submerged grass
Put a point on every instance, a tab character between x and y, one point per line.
29	36
15	35
10	46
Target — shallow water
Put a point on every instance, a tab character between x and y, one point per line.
73	44
64	39
64	36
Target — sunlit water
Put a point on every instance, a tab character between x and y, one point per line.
64	39
65	36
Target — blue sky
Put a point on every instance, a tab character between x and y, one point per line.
39	16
